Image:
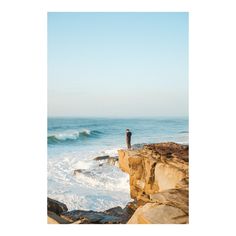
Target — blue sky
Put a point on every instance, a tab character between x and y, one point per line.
118	64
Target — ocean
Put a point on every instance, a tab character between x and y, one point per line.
73	143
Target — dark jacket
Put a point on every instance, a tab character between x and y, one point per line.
128	136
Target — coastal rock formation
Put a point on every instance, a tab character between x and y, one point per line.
56	206
110	160
167	207
153	213
155	168
158	184
159	179
115	215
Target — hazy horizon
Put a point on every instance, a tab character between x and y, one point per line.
118	65
120	117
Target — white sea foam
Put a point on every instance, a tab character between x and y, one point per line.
85	165
111	152
94	188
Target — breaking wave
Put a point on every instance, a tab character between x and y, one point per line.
72	136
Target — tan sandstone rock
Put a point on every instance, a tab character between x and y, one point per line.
159	182
155	168
153	213
123	161
52	221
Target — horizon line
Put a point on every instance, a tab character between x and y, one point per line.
120	117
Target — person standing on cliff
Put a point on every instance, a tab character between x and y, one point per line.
128	138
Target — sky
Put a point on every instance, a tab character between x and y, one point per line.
117	64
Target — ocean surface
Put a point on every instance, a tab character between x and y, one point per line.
73	143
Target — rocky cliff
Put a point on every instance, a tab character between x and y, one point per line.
158	181
158	184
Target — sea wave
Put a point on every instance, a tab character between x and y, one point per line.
70	136
93	187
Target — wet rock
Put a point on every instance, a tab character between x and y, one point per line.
115	211
83	171
90	217
123	214
113	161
115	215
100	158
78	171
56	206
53	218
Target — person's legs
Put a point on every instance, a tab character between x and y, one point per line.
128	144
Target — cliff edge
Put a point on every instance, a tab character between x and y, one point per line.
158	181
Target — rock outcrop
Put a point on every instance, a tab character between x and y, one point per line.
56	206
109	159
115	215
152	213
100	158
158	181
167	207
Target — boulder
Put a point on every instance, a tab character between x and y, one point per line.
83	171
123	214
154	213
173	197
56	206
100	158
115	211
